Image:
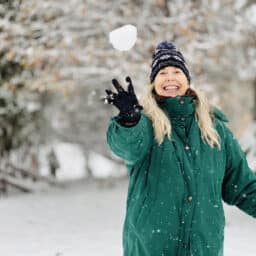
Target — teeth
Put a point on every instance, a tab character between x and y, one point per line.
171	87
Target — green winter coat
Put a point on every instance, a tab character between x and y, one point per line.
174	202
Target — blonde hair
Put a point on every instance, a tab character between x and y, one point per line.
162	125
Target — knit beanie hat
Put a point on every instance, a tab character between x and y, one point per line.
166	54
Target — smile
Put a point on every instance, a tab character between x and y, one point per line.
171	87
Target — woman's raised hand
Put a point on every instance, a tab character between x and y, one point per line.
125	101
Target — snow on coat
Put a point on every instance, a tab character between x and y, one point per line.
175	192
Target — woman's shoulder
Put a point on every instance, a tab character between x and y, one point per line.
220	120
217	114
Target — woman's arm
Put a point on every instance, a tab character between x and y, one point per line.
130	143
239	184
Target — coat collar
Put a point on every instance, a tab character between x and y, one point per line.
181	111
178	107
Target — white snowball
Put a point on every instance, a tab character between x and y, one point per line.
123	38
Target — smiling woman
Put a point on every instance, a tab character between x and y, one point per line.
182	161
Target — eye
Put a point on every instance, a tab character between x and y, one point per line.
162	73
177	71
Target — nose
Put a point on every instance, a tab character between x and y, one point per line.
169	78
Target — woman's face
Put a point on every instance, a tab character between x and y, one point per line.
171	82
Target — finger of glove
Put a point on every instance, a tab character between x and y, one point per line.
105	100
118	87
130	86
110	101
110	98
109	92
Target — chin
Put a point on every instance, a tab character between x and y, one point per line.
171	94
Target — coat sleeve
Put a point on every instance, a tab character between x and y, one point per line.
239	183
130	143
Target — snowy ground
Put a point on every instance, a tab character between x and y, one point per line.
86	219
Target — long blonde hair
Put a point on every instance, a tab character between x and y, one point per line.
161	122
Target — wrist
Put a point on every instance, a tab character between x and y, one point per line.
130	116
126	123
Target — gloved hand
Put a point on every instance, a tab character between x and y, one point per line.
126	102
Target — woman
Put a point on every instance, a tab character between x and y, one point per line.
182	161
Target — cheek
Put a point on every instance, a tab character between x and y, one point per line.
185	84
157	89
158	85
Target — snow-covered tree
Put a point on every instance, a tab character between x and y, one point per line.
65	52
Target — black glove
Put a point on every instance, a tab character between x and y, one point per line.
126	102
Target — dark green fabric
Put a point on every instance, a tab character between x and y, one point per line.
175	192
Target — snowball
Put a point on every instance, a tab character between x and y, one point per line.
123	38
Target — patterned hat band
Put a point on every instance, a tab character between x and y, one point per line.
166	57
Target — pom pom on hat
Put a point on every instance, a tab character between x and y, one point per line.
166	45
